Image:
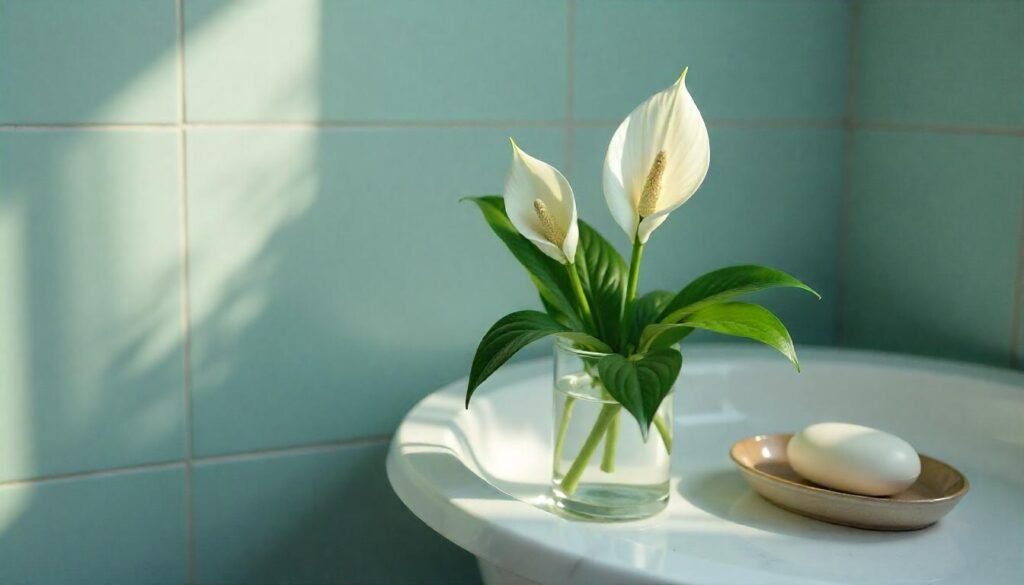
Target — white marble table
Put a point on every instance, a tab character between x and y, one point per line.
479	477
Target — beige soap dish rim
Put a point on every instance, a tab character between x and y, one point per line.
965	487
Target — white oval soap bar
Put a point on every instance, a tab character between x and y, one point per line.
854	459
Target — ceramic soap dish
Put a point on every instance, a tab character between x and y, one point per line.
765	466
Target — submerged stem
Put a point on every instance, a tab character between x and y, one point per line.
610	441
563	428
571	480
665	431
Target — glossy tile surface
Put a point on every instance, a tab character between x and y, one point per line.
770	197
934	234
946	63
122	530
336	278
65	61
391	60
747	60
91	365
325	517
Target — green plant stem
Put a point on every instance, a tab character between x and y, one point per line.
563	428
577	287
611	439
610	442
634	272
571	480
664	431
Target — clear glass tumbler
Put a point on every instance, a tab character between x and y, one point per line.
602	467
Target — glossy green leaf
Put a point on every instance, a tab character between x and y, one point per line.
725	284
547	274
661	335
603	276
640	382
743	320
643	311
504	339
553	311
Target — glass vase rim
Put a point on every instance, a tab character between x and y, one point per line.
566	344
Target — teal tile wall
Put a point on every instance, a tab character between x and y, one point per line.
933	239
91	365
263	157
933	211
400	60
789	56
125	528
73	62
321	517
321	259
953	63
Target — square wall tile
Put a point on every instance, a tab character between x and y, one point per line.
783	59
1020	312
390	60
336	278
124	529
947	62
67	61
934	235
771	197
91	361
327	517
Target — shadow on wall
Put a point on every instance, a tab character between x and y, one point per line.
350	529
276	261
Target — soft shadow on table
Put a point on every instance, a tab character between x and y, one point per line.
724	493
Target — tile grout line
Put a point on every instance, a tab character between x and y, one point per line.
324	446
1017	309
320	447
753	123
380	124
290	125
95	473
186	305
936	128
568	141
846	176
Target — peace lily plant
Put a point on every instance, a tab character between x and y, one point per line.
656	160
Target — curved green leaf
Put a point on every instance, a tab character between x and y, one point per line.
640	382
555	312
725	284
643	311
661	335
547	274
744	320
504	339
603	275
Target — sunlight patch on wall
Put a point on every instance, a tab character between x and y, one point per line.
118	243
239	206
231	77
14	358
141	88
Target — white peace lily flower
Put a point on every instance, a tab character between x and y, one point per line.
656	160
540	204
